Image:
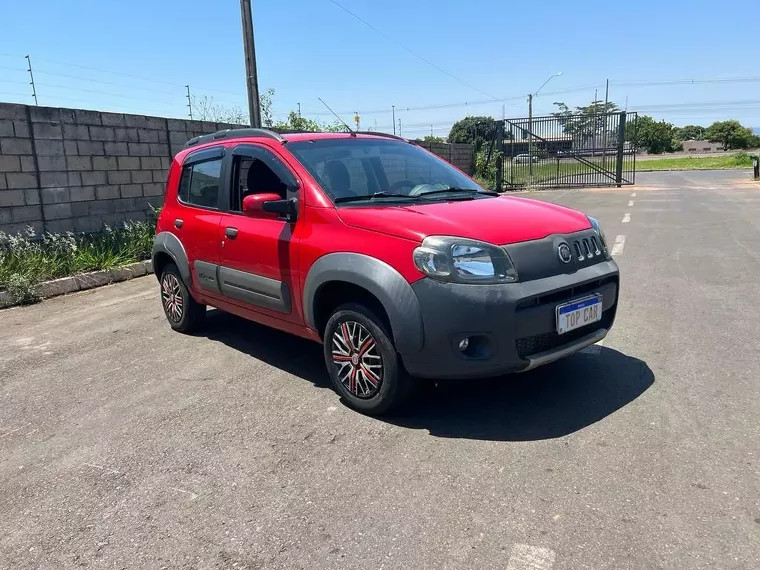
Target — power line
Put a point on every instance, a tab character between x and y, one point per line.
105	93
406	49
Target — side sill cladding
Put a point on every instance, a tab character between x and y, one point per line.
167	242
380	279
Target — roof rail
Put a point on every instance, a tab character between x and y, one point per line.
234	133
379	134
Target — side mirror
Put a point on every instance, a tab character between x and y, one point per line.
270	206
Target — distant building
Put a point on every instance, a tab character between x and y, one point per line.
702	146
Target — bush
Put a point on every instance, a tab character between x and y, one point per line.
486	175
28	259
742	158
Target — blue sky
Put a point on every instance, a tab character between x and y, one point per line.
136	56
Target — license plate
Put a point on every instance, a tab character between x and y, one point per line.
580	313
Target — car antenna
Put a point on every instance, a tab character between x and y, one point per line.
353	134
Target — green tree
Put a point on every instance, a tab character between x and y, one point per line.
473	130
731	134
690	133
432	138
297	123
654	136
206	109
586	120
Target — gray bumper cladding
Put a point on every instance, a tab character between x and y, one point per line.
510	327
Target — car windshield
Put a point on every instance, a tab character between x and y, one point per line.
381	170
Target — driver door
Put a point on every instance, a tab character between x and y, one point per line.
258	256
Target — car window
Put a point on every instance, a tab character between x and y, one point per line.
253	176
351	167
199	184
346	175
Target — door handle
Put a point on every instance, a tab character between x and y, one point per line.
178	223
231	232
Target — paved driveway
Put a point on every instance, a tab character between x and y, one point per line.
125	445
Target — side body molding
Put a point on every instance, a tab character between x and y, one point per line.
380	279
167	242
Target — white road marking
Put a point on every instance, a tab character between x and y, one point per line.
633	194
14	431
101	468
630	203
626	218
527	557
618	246
192	495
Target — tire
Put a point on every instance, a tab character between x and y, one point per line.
184	313
363	363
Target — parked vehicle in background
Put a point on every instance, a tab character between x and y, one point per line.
525	158
397	262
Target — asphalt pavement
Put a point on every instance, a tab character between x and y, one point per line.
126	445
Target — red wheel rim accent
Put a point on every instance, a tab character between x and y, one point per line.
357	359
171	298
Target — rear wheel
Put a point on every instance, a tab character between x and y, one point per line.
183	312
362	361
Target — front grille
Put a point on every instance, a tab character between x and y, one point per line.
586	248
565	294
530	345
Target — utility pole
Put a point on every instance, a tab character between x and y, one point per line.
530	120
251	76
530	134
399	126
606	116
394	118
431	130
189	102
31	75
299	110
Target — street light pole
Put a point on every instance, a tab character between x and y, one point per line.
251	76
530	121
394	118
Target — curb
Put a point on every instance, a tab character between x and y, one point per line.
85	281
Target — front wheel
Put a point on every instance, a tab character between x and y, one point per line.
362	361
184	313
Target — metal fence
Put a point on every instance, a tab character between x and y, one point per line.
567	150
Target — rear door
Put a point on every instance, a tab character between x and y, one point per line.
198	215
258	256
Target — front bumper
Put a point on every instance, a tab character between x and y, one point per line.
511	327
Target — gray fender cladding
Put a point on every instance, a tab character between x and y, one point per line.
167	242
380	279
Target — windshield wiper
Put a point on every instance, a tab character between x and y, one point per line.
374	196
458	189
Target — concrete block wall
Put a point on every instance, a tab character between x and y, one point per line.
461	155
76	170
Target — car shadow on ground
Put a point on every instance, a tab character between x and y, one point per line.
289	353
549	402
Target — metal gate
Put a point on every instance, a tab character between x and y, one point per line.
567	150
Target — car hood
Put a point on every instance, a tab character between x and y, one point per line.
500	220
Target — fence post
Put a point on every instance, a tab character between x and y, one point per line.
620	150
36	163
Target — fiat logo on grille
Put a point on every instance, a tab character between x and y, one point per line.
565	255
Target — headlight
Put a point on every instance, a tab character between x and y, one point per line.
600	235
462	260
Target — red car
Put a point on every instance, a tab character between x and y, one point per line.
398	263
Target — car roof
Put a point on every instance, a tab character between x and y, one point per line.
254	133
